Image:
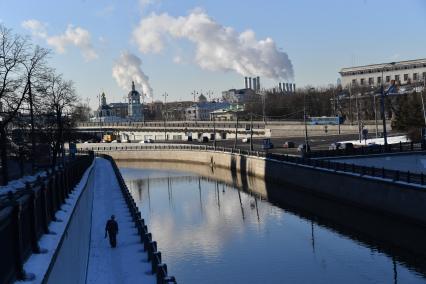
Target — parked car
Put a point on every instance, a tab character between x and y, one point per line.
267	144
246	140
289	144
115	141
303	148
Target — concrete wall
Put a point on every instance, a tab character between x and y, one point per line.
70	264
394	198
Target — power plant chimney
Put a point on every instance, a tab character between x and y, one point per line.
254	84
249	82
258	83
246	83
294	87
280	87
287	87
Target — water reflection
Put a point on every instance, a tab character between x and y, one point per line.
213	232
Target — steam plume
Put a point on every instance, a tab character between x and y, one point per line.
217	47
127	69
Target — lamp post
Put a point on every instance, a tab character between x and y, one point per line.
165	95
304	120
382	106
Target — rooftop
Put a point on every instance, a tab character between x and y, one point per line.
379	67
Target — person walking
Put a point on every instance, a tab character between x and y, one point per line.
112	229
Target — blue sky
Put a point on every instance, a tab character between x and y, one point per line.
319	37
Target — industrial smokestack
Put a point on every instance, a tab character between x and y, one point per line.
294	87
255	84
287	87
291	87
258	83
245	82
249	82
280	87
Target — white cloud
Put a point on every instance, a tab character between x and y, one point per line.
74	36
37	28
177	59
127	69
217	47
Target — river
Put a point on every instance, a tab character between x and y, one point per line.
213	231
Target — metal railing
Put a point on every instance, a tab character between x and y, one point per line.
157	267
368	150
390	175
26	213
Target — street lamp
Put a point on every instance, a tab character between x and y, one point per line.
382	105
304	120
165	95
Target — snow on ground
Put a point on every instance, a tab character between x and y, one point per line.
127	263
38	264
379	141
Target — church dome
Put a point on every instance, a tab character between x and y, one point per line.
133	93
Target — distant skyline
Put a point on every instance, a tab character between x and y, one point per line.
181	46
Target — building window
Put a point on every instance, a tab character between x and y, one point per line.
406	77
396	78
415	76
379	80
387	79
362	81
370	81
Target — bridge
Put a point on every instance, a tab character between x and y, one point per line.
180	130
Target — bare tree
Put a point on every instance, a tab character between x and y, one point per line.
13	86
58	99
35	68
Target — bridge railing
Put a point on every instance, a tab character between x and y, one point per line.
388	174
150	246
26	213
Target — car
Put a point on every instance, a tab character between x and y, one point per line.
289	144
335	146
204	139
303	148
245	140
267	144
115	141
149	140
347	146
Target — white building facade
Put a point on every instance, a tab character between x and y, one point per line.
402	72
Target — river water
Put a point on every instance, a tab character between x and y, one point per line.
210	231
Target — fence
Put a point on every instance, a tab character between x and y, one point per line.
368	150
150	246
394	175
25	215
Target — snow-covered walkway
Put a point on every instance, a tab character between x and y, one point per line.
127	263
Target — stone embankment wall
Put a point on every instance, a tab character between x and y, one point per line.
385	196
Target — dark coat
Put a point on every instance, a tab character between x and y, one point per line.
111	227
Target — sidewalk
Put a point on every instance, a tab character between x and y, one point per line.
127	263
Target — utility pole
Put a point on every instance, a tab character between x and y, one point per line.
236	133
214	133
357	118
251	131
165	95
305	123
375	115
